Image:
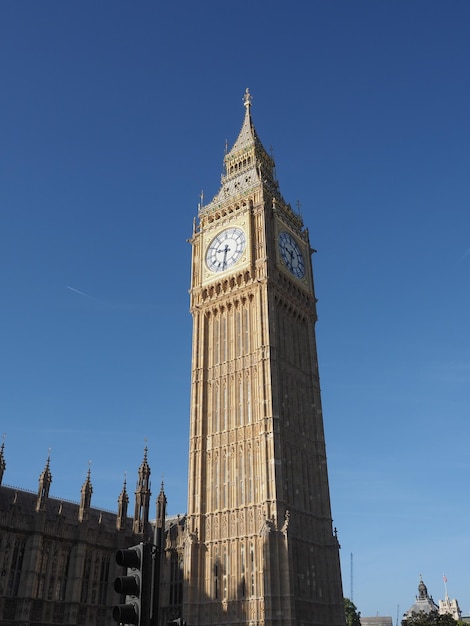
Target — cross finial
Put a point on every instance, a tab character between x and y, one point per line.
247	98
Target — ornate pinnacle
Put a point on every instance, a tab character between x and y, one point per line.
247	98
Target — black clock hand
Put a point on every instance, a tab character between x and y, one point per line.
290	251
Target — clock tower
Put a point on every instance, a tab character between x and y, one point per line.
259	547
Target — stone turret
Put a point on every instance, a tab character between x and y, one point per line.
161	517
142	498
85	498
123	501
45	480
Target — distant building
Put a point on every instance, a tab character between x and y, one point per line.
378	620
449	606
425	604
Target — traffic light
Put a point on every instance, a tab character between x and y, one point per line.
136	585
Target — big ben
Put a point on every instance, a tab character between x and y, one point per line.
260	547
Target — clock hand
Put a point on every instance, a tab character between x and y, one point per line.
224	250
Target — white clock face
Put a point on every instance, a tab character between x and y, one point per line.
291	254
225	249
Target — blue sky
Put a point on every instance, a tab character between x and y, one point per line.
113	118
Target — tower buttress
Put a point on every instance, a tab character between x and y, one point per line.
45	480
142	498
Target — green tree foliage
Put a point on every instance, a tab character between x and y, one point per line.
353	617
429	619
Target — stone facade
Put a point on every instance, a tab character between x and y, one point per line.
57	558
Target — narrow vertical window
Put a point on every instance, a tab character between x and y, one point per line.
217	409
86	579
64	577
250	475
103	579
252	570
259	485
224	477
248	402
246	330
216	576
223	332
52	574
242	570
238	331
16	567
43	567
176	579
225	573
241	471
216	481
216	341
225	408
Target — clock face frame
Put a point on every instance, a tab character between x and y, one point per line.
225	249
291	254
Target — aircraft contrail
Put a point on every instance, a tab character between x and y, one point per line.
80	292
467	252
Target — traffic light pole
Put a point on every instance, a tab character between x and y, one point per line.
155	591
158	538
